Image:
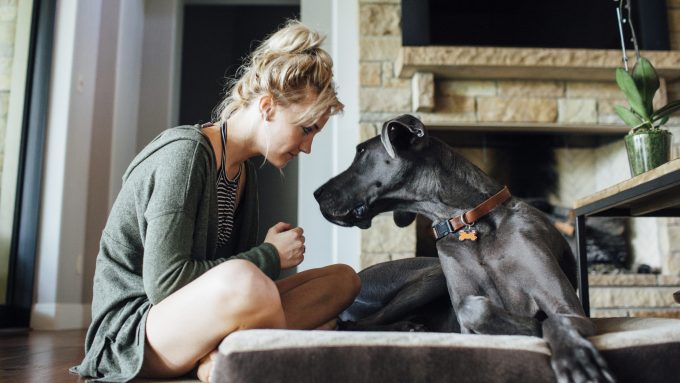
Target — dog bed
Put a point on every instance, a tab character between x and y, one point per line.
636	349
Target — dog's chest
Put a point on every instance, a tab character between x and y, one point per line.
480	271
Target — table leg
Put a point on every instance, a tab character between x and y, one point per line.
582	263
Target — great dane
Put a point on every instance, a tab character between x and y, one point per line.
506	269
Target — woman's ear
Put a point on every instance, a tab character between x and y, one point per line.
267	107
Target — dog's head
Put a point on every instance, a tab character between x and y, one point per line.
381	178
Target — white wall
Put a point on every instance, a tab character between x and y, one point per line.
126	98
159	96
59	280
92	135
332	153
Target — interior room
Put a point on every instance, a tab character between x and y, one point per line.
545	98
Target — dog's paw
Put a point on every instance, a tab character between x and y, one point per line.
580	362
347	325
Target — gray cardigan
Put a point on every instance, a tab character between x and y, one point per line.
160	235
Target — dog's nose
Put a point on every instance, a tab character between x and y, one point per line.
318	192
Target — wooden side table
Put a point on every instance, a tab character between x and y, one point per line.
655	193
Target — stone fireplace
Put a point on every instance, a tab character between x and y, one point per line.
481	92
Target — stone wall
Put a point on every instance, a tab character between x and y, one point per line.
636	295
8	13
674	22
582	171
381	96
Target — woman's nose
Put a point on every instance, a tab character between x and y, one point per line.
306	145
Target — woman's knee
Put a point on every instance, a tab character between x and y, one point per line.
240	288
347	279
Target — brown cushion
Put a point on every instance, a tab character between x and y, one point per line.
637	350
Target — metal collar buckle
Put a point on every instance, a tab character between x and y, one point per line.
442	229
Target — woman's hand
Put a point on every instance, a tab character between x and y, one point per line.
289	242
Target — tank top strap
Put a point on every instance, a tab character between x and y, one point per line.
223	129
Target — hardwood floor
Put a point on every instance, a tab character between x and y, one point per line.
40	356
46	356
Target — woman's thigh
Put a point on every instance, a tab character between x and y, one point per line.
313	297
192	321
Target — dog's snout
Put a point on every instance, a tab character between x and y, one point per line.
318	192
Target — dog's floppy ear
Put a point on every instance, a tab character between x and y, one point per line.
402	132
403	218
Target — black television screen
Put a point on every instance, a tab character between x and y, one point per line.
531	23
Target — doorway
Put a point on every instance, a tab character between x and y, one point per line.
215	40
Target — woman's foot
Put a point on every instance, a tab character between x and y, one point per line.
330	325
205	366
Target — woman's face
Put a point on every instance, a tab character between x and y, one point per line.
287	138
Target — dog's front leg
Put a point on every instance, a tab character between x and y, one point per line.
574	358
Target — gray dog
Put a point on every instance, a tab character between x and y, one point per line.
506	268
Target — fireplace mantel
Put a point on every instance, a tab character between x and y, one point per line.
457	62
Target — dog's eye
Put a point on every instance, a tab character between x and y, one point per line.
361	149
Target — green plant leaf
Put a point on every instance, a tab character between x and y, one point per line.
663	121
667	110
630	90
629	117
646	81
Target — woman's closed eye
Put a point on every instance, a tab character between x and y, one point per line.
306	130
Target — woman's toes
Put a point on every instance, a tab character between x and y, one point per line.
205	366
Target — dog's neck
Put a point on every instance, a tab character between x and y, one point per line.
459	187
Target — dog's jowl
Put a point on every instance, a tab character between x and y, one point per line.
502	268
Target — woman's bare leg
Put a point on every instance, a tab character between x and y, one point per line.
310	299
313	298
190	323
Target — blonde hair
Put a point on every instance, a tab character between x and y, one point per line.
290	66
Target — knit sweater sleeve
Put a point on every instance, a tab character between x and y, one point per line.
265	257
168	265
178	188
174	190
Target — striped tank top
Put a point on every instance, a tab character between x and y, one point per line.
226	195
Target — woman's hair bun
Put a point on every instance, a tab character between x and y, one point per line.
289	65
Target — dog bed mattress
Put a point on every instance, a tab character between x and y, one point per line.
636	349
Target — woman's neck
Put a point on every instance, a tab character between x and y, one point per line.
239	143
240	132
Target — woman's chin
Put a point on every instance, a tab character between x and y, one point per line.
287	158
280	163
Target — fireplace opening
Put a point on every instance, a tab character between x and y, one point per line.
531	23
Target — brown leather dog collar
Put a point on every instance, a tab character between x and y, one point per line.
469	218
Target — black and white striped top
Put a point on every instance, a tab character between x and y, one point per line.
226	195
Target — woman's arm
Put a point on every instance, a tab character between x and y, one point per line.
176	193
265	257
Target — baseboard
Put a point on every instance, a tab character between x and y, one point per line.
60	316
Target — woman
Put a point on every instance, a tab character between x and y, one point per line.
178	267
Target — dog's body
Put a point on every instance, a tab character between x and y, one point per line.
518	277
404	295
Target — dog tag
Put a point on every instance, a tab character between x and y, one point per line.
467	234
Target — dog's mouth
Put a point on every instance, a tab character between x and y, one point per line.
358	216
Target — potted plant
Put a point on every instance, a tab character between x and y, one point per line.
647	143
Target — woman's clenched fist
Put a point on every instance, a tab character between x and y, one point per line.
289	242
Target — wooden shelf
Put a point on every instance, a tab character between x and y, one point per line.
453	62
649	193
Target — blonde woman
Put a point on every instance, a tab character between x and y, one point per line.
179	268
